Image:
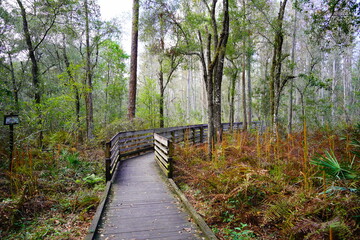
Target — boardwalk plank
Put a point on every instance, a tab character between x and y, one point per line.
141	206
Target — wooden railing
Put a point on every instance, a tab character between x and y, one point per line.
164	149
128	144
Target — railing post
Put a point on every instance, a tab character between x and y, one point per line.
171	164
194	135
201	134
172	136
107	161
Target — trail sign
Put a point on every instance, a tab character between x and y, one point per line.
11	119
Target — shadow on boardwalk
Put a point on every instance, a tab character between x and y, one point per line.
141	206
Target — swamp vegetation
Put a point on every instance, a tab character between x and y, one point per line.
261	187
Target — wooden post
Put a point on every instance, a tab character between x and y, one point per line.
201	134
11	147
194	135
107	161
171	154
173	136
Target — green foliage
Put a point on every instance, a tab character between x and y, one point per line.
71	158
92	179
333	168
148	99
240	233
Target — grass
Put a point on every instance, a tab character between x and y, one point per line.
51	194
259	187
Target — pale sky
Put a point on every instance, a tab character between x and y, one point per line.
120	9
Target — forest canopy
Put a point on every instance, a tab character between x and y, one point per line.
293	66
63	68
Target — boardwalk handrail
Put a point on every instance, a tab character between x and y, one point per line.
163	153
133	143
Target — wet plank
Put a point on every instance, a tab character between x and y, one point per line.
141	206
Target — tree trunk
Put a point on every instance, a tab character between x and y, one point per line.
133	62
275	74
336	77
232	99
89	96
14	85
73	85
243	87
219	68
34	69
291	91
162	90
249	90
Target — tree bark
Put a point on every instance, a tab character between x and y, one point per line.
249	89
133	61
275	74
221	43
14	85
162	90
232	90
34	69
73	85
89	96
243	87
291	91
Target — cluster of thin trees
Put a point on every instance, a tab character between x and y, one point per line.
281	62
57	59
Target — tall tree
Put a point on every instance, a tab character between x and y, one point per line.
32	47
277	83
212	55
294	41
159	26
133	62
89	75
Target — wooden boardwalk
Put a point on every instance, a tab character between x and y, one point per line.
141	206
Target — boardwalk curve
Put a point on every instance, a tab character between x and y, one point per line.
141	206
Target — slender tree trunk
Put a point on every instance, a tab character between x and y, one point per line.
73	85
247	51
188	90
34	69
232	99
89	96
162	90
249	90
133	62
243	87
275	74
336	77
107	95
14	85
291	91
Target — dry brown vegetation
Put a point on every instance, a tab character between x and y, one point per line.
263	187
50	194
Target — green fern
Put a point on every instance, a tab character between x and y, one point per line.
333	168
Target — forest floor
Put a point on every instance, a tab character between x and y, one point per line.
261	187
51	194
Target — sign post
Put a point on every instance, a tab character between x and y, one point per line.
11	120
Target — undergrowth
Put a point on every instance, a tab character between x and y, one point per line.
258	186
50	194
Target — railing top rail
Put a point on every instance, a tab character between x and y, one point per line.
153	130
